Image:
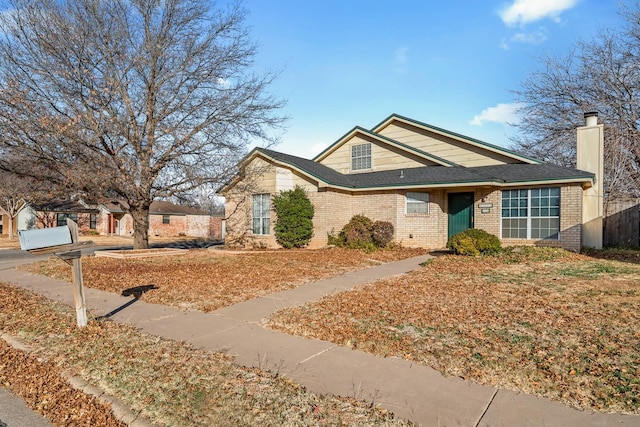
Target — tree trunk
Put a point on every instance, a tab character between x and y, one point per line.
140	218
11	232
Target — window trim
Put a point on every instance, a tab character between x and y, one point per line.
264	213
416	202
166	219
354	158
529	217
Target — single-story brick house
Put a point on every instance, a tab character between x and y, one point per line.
165	219
428	182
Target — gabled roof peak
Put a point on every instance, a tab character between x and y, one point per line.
385	140
454	135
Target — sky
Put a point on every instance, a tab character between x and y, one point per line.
453	64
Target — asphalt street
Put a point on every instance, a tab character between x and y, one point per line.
10	258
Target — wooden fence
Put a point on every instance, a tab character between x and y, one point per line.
622	223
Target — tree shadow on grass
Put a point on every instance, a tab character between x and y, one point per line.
136	292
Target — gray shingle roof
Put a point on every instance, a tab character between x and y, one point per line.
433	175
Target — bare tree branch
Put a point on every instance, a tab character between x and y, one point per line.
131	99
602	74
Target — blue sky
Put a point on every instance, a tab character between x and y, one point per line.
452	64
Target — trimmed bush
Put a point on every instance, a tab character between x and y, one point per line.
362	233
294	225
474	242
382	233
357	232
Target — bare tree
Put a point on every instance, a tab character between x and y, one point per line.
12	200
131	100
16	193
602	74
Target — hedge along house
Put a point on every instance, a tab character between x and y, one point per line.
428	182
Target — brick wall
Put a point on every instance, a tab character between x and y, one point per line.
177	226
422	230
333	209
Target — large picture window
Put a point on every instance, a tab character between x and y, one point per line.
417	203
261	213
361	156
531	214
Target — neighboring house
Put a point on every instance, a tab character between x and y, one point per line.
165	219
428	182
55	214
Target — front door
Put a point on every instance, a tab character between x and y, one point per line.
460	212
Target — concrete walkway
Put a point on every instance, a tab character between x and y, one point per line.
410	391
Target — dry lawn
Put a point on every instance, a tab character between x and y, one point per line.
541	321
207	280
170	383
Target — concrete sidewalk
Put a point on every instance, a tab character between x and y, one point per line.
15	413
410	391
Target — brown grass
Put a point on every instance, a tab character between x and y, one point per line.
541	321
205	280
168	382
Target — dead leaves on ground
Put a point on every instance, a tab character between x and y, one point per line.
168	382
205	281
40	384
562	325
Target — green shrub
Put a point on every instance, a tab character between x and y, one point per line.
382	233
294	212
334	240
474	242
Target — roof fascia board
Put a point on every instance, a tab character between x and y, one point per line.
478	183
284	164
416	151
457	136
331	148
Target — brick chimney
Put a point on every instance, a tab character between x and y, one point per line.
590	150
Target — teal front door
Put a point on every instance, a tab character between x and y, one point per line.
460	212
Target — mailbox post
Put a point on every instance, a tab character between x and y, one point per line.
62	242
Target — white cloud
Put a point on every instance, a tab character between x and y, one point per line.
501	113
535	37
522	12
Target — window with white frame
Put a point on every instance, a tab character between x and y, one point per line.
417	203
261	213
361	156
531	214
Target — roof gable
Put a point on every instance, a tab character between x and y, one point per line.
416	128
385	141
